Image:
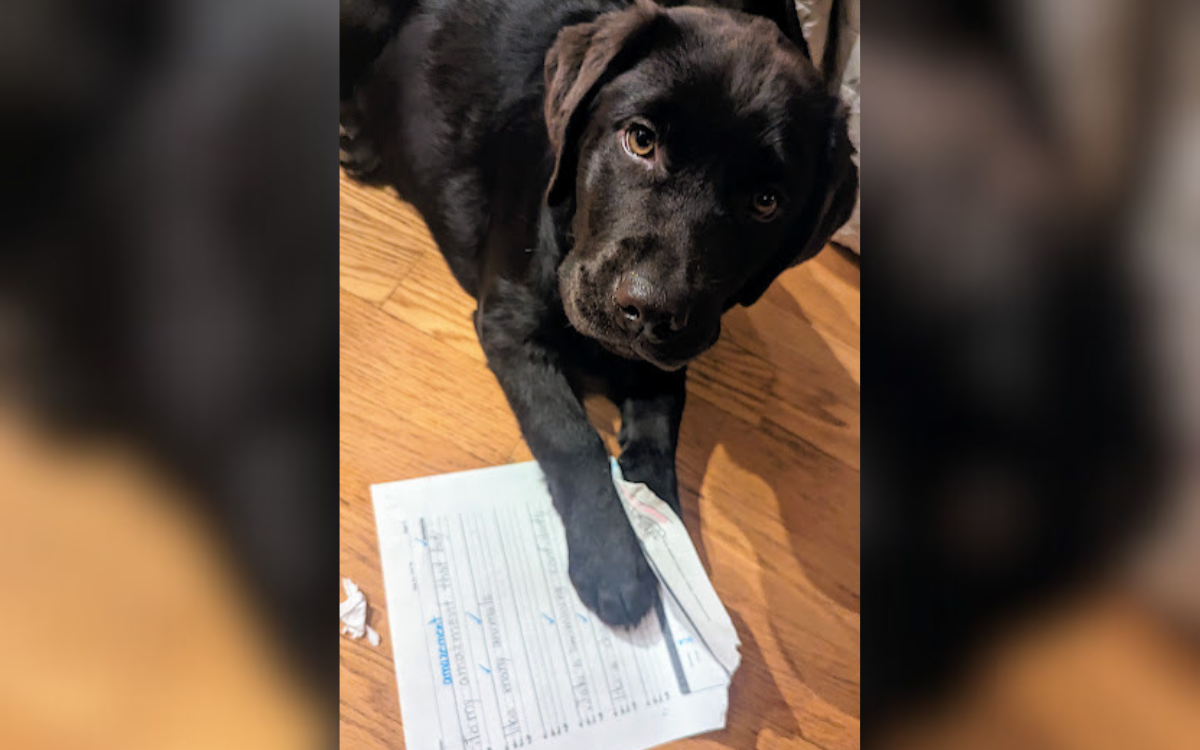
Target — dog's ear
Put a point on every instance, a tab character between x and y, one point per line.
582	59
829	207
783	13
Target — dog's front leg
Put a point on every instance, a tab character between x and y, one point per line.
606	564
651	403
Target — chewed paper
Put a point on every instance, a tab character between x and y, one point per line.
353	614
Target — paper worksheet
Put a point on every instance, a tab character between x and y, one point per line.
493	648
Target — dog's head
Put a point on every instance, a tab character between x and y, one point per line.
698	155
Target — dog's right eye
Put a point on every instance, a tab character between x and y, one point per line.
640	141
765	204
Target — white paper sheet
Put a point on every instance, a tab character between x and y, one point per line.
493	648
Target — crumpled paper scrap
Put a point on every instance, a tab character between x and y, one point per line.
353	613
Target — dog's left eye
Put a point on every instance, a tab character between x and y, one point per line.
765	204
641	141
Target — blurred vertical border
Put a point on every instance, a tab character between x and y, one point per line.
168	373
1031	509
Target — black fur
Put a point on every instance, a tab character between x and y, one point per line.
505	123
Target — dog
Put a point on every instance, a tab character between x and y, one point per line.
606	179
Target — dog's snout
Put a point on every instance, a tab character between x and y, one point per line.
649	308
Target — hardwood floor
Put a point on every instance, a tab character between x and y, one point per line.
768	467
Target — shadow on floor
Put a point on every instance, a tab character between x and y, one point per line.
812	494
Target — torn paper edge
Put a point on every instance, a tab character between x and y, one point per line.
674	559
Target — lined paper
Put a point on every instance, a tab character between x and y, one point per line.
492	646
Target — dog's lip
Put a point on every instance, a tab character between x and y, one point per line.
638	349
664	357
669	364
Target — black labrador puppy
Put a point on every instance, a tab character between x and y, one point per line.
606	179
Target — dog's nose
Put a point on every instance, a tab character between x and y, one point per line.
647	308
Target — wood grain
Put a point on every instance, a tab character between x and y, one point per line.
768	467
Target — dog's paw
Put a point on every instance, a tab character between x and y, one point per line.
654	469
609	571
355	151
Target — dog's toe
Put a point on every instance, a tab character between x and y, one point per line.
356	153
615	582
626	602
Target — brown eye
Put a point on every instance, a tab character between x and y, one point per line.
766	204
641	141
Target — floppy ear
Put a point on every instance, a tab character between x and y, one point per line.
828	209
783	13
582	59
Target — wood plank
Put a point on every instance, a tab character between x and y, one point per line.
381	239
